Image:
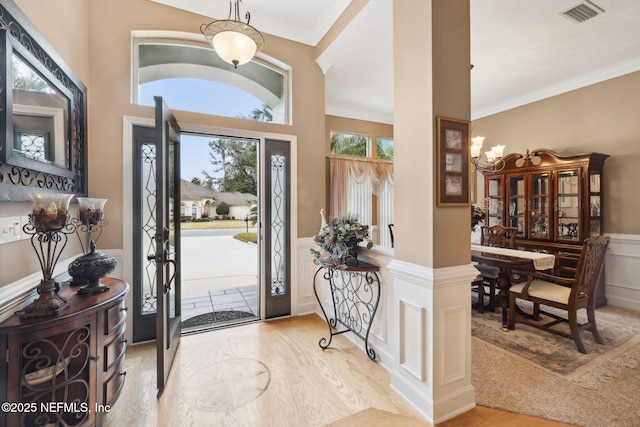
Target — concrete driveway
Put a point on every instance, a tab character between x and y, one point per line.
217	262
218	273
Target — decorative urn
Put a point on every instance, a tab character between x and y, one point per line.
88	269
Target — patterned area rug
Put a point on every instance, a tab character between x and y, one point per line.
555	354
216	317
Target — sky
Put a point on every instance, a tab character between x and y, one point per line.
200	96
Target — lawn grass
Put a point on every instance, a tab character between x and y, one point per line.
215	224
247	237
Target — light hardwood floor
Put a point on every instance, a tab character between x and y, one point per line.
273	374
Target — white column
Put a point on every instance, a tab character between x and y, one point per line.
432	269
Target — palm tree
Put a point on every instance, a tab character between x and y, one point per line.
263	113
348	145
253	215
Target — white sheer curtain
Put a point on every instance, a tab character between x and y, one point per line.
385	211
353	182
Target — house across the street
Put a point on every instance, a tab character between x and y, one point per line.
200	202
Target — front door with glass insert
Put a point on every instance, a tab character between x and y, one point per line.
167	240
277	169
273	230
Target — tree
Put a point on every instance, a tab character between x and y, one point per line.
236	161
196	181
263	114
25	79
253	215
348	145
218	158
222	209
383	154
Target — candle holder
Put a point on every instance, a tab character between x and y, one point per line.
49	232
90	220
89	268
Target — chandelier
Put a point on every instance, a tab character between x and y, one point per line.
233	40
494	162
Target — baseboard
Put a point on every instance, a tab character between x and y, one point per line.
446	408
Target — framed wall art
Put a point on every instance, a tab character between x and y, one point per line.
452	162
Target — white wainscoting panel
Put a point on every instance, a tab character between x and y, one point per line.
436	378
412	325
622	271
453	343
305	299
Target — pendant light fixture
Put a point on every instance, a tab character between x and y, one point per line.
233	40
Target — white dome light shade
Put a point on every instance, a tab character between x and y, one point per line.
234	41
233	47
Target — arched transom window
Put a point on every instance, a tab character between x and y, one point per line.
191	77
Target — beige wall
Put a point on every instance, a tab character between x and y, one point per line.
65	25
67	33
429	82
95	38
343	124
604	118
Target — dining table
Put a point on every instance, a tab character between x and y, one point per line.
505	260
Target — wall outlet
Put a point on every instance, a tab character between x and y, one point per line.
10	230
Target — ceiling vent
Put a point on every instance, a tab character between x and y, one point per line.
582	12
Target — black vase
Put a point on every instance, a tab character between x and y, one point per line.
352	252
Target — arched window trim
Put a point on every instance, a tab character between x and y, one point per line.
192	39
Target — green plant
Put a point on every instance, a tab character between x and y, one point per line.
477	216
253	215
338	240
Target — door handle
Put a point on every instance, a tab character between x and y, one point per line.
167	286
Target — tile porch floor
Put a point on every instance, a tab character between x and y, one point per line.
243	298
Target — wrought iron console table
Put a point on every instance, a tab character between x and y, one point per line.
355	294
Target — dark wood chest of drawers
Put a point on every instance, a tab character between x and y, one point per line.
68	369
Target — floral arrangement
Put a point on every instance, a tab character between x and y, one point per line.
477	216
338	241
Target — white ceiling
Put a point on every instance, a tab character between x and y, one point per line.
522	50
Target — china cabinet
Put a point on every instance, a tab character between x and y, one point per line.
68	369
554	201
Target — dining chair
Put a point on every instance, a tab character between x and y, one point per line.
391	233
566	294
496	236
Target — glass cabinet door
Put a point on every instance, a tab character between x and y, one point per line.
568	207
516	203
494	201
595	211
539	199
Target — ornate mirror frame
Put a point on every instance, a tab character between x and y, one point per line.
21	176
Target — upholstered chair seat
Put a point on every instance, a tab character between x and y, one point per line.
546	291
